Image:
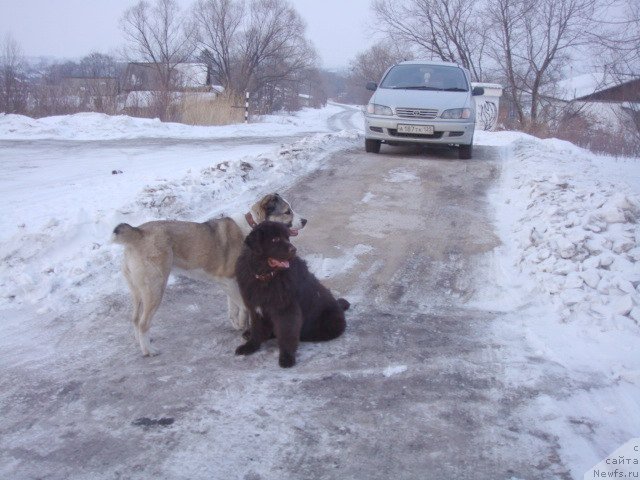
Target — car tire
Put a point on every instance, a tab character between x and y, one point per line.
465	152
372	146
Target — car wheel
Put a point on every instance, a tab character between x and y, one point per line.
465	151
371	146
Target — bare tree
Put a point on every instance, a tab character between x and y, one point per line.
534	39
316	88
633	40
447	30
620	39
98	65
99	86
218	24
621	59
13	89
258	46
508	16
273	46
370	65
161	35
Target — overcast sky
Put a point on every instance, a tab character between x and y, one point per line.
74	28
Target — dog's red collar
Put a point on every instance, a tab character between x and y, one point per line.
265	277
252	223
278	267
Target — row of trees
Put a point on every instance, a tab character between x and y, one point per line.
39	88
249	45
525	45
13	92
258	46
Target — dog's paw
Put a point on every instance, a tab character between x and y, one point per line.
145	346
247	349
343	304
286	360
151	352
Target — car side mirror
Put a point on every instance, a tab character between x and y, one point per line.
477	91
373	86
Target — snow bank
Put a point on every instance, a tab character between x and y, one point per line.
574	234
567	275
71	260
98	126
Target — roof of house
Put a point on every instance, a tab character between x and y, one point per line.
191	74
580	86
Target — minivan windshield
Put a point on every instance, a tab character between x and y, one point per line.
426	77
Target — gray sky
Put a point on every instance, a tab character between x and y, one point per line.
74	28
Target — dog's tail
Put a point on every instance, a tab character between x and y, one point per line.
125	233
344	305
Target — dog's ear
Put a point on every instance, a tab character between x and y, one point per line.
254	241
269	204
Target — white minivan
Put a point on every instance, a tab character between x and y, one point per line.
422	101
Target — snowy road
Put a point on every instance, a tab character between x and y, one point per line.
455	363
420	386
413	386
344	120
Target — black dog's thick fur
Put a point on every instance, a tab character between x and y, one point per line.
283	297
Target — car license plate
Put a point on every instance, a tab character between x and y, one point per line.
417	129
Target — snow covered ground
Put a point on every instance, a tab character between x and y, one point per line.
97	126
567	274
62	197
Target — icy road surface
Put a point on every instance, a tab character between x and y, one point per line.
465	356
413	386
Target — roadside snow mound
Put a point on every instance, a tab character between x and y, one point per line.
575	234
99	126
71	260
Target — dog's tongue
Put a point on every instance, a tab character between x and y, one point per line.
274	263
293	232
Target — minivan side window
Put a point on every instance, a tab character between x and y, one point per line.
426	77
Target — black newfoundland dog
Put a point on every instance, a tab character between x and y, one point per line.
283	297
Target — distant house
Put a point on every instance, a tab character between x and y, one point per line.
599	87
143	92
185	77
611	102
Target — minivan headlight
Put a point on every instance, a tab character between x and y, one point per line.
456	113
379	109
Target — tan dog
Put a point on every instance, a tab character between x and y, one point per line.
153	249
